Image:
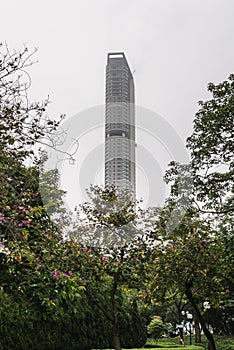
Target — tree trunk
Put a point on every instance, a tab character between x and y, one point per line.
208	334
197	328
116	320
116	339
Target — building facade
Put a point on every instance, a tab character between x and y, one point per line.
120	124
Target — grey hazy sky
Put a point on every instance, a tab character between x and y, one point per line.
175	48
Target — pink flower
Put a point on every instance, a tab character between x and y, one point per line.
104	258
67	275
21	207
2	218
84	249
24	223
56	274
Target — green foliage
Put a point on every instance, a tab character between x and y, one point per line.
81	326
112	260
29	240
211	147
132	330
190	261
23	326
212	173
190	255
156	327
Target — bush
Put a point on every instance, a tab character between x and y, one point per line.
25	327
22	327
132	330
156	328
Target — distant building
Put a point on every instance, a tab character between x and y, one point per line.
120	124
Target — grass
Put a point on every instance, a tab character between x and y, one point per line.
170	344
222	343
192	347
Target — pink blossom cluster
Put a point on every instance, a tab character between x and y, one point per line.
69	273
56	274
24	223
21	207
105	258
85	250
2	218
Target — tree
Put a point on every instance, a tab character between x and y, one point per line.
191	258
156	328
22	123
211	147
35	270
28	238
207	185
112	255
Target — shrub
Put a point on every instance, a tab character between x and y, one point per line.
156	328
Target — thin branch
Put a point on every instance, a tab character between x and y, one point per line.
226	211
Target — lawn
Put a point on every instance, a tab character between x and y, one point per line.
179	347
169	344
174	347
222	343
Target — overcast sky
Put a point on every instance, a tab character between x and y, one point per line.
174	47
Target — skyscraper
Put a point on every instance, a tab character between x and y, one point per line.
120	124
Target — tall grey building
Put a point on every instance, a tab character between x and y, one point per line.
120	124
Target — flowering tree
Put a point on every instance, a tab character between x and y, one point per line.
191	258
28	238
210	188
113	248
